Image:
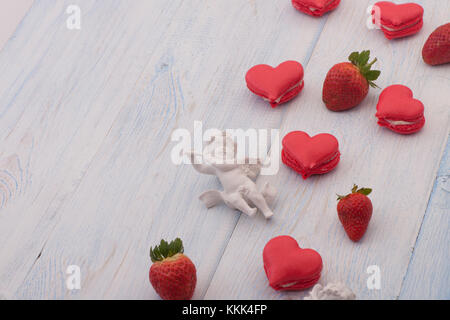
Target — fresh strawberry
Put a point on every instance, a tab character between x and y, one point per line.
355	211
347	83
437	48
172	274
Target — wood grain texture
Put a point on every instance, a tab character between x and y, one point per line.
104	188
85	123
428	274
62	109
11	13
400	169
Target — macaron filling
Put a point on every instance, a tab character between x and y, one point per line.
280	98
288	285
300	284
400	28
403	127
399	122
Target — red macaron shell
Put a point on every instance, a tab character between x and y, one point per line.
289	267
310	155
397	103
277	85
406	19
320	6
297	167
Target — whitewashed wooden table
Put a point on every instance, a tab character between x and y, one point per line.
86	118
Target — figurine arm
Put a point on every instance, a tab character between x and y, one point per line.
226	166
231	166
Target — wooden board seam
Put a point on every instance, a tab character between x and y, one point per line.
433	184
306	63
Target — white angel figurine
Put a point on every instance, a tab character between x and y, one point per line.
332	291
240	191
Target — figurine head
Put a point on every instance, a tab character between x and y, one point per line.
221	149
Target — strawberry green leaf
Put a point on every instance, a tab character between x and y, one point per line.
364	57
166	250
365	191
175	247
354	57
361	60
355	189
152	256
365	69
372	75
155	255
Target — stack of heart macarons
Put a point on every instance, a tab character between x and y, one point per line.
398	20
276	85
289	267
310	156
398	111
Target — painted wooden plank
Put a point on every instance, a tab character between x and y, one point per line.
103	188
55	111
11	13
400	169
428	274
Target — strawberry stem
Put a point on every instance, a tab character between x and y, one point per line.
372	63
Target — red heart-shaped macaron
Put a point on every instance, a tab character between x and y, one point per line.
276	85
310	155
399	20
399	111
289	267
316	8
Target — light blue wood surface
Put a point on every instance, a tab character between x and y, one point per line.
85	171
428	275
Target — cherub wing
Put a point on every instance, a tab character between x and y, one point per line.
211	198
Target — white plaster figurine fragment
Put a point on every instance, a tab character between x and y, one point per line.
333	291
240	191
